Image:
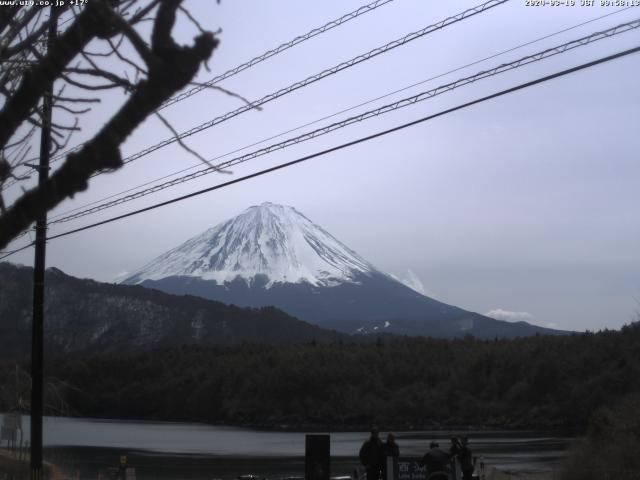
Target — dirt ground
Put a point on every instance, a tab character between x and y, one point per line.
11	467
495	474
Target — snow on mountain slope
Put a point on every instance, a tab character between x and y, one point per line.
272	240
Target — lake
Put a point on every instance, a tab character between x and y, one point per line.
169	450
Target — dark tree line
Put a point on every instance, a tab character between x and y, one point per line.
611	444
536	382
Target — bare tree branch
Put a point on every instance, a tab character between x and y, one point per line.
141	13
227	92
16	27
125	59
115	80
182	144
36	79
9	51
76	100
71	110
170	68
7	15
191	17
21	139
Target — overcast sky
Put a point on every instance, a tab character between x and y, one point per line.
525	206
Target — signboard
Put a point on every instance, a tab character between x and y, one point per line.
410	469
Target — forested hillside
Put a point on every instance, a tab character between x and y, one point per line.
84	316
537	382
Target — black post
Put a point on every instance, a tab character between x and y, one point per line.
317	457
37	380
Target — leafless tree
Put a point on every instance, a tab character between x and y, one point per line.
101	45
15	393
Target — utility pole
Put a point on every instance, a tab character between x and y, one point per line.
37	332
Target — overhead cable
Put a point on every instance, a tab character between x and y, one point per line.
550	52
254	61
345	145
279	49
319	76
313	78
335	114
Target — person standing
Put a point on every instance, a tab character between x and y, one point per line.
437	462
454	453
466	460
391	456
372	455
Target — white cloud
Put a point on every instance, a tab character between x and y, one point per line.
123	274
509	316
552	325
411	280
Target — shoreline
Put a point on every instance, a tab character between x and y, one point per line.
8	463
312	427
171	445
229	467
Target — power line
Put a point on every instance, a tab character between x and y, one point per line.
317	77
11	252
254	61
539	39
550	52
279	49
351	143
314	78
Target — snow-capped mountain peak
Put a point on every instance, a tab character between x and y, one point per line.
270	240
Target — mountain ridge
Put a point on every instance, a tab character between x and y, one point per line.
274	255
83	315
269	240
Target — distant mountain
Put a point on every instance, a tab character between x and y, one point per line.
269	244
85	316
274	255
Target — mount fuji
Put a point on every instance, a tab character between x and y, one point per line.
273	255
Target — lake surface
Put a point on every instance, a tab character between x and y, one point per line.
166	450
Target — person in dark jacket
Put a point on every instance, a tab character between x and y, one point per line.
372	455
437	462
460	448
454	452
466	459
456	446
391	455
